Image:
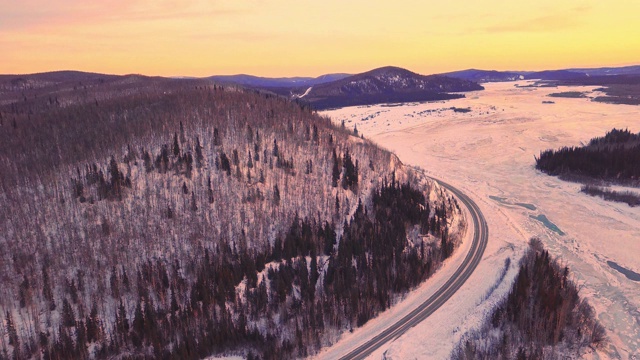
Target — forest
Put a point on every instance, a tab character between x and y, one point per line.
163	218
613	158
542	317
630	198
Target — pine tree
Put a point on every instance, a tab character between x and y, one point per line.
235	157
335	174
113	283
199	155
125	280
276	194
116	179
225	165
24	292
122	324
68	316
194	206
11	330
216	137
138	325
92	324
183	139
176	146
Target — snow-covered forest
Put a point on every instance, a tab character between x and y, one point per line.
542	317
157	218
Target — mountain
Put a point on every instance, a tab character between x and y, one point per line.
385	85
481	76
52	79
624	70
555	75
46	91
266	82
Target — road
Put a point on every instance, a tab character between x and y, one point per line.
444	293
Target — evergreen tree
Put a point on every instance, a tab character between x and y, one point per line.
276	194
176	146
113	283
335	174
122	324
194	206
93	324
68	316
11	330
199	155
138	325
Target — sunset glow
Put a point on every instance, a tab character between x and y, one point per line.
310	38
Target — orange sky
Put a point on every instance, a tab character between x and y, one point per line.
310	38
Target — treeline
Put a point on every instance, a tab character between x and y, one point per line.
627	197
614	157
542	317
178	220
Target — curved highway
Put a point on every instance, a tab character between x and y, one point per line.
469	264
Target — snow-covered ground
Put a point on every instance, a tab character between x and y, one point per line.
489	154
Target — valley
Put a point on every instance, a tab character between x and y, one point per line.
489	154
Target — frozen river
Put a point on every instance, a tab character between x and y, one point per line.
488	152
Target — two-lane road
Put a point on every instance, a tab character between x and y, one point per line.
469	264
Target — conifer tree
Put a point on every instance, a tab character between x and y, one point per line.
194	206
176	146
335	174
276	194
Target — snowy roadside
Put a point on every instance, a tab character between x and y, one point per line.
351	340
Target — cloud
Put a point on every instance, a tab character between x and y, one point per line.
545	23
234	36
46	14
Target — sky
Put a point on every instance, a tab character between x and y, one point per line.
310	38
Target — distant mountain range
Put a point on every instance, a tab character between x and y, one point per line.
485	75
625	70
265	82
560	75
383	85
393	84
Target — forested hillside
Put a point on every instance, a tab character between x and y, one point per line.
542	317
156	218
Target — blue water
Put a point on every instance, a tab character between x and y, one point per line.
631	275
503	201
543	219
499	199
526	206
